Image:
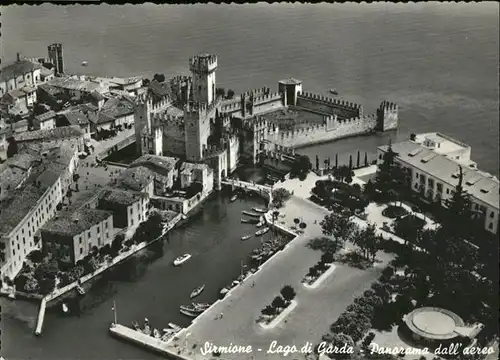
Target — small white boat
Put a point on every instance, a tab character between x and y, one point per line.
261	222
234	198
12	296
246	221
334	92
65	308
80	290
189	313
246	237
156	333
182	259
197	291
203	306
175	327
262	232
136	326
84	63
259	210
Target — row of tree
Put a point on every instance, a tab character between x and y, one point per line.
328	165
287	294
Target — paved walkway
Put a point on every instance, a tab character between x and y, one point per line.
316	309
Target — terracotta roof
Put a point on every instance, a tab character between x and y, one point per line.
46	116
158	164
59	133
75	223
122	197
18	68
136	178
77	118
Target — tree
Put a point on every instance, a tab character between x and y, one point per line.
12	147
220	92
302	225
357	160
46	285
46	270
301	167
340	340
350	162
327	258
366	159
338	225
268	311
159	78
336	161
280	196
390	175
328	163
230	93
288	293
278	303
317	163
296	221
35	256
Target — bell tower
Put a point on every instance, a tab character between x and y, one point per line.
203	68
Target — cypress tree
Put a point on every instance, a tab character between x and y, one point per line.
366	158
336	161
317	163
357	161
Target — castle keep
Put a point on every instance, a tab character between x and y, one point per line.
186	118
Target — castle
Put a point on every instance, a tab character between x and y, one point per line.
186	118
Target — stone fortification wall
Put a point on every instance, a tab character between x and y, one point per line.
325	132
266	103
231	108
174	138
343	109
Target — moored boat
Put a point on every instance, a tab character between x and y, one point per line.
203	306
156	333
182	259
262	232
197	291
246	221
80	290
191	309
246	237
136	326
84	63
261	222
189	313
175	327
233	198
250	213
65	308
259	210
334	92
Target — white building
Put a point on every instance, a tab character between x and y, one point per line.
18	75
31	187
434	161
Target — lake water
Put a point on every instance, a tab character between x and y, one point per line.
439	62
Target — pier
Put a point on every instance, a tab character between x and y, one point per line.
146	341
41	317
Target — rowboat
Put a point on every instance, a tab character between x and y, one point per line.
334	91
65	308
259	210
246	221
191	309
261	222
234	198
246	237
251	214
197	291
80	290
262	232
175	327
156	333
189	313
203	306
182	259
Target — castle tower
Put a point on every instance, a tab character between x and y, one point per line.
203	68
387	116
148	130
56	57
289	89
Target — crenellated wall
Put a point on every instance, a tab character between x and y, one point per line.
327	105
266	103
174	141
331	130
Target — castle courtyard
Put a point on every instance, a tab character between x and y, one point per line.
316	309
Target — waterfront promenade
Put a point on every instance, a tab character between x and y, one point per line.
315	311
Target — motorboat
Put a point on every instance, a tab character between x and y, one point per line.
246	237
84	63
189	313
334	92
262	232
175	327
251	214
65	308
80	290
233	198
259	210
182	259
197	291
203	306
261	222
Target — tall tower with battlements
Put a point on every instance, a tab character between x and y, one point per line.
387	116
56	57
148	130
203	68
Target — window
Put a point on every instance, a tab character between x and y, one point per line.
416	185
80	240
490	226
439	187
492	214
380	156
447	191
106	225
131	221
98	230
81	251
88	234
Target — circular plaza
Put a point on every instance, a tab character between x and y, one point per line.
433	325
